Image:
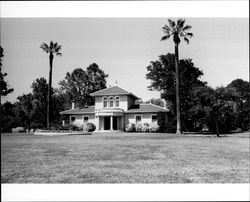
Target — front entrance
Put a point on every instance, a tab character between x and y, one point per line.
110	123
107	123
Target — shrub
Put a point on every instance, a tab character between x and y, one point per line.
130	127
67	127
153	127
166	122
88	127
138	127
18	130
145	127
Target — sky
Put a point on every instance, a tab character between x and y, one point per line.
122	47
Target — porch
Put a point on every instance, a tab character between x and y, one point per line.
110	119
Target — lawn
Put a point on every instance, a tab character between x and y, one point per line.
124	158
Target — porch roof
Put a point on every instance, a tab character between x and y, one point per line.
87	110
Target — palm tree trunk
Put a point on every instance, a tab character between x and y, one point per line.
217	128
178	113
0	109
215	119
49	88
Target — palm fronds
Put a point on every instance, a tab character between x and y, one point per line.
53	48
176	30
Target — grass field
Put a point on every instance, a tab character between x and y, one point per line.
124	158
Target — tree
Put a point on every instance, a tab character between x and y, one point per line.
162	75
52	49
242	107
78	85
177	30
155	101
4	89
9	118
39	90
3	84
24	109
216	107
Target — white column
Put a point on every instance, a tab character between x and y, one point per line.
111	123
122	123
102	122
98	123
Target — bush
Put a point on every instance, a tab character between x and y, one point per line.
145	127
18	130
88	127
138	127
153	127
67	127
130	127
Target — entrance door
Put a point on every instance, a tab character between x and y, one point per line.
106	122
115	123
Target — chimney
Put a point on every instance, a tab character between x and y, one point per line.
73	105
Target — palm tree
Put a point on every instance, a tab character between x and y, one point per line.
51	49
177	30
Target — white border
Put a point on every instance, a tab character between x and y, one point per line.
125	9
125	192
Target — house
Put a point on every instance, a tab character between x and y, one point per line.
114	108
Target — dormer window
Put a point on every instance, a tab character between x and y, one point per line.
111	102
117	100
105	102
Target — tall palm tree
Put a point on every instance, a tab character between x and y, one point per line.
177	30
52	49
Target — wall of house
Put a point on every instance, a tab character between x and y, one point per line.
125	101
146	118
98	103
79	119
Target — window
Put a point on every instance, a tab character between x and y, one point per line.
85	119
138	119
154	118
117	100
111	102
105	102
72	119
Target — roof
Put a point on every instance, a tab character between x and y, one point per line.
87	110
137	108
143	108
114	90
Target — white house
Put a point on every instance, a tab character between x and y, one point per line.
114	108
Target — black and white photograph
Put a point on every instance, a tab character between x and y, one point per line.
111	99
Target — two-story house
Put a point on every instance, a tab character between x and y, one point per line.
114	108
